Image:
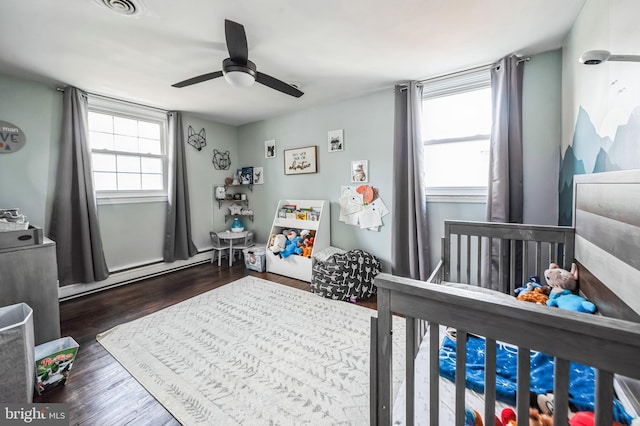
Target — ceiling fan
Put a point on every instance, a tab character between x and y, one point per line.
237	69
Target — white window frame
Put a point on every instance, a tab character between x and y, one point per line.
448	85
136	112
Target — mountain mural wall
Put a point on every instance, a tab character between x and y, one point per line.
591	153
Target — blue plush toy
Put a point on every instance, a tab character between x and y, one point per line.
292	245
572	302
534	282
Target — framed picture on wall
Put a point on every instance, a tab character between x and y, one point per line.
258	175
335	140
270	149
301	160
360	171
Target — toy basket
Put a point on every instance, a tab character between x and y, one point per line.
12	220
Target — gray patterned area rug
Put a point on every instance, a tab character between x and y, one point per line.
254	352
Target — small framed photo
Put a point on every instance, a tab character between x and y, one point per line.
270	149
360	171
301	160
258	175
335	140
247	176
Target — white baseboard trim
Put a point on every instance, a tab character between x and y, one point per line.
131	275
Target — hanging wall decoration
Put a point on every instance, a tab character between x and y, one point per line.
196	140
362	206
221	160
270	149
301	160
11	138
335	140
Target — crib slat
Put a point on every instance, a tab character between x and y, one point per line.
522	397
458	258
490	380
461	363
479	251
410	367
468	241
538	255
604	397
502	285
373	369
434	374
489	254
560	391
525	255
512	262
384	357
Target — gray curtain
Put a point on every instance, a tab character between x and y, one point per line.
74	220
177	239
505	188
409	242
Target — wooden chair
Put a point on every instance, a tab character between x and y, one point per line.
218	246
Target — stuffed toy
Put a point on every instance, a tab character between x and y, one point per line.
472	417
571	302
278	243
585	418
538	296
533	291
235	209
508	418
292	244
306	245
560	279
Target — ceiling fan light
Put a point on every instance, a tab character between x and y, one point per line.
239	78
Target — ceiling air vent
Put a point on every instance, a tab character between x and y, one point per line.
123	7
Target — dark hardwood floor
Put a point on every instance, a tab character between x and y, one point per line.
99	390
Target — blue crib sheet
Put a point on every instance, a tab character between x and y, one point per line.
581	377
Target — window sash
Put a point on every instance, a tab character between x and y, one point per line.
449	85
144	117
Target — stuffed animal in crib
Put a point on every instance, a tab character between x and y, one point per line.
533	291
538	296
472	417
278	243
534	282
571	302
560	279
508	418
585	418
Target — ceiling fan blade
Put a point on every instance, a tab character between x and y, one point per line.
198	79
236	42
278	85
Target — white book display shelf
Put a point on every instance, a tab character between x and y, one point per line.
295	266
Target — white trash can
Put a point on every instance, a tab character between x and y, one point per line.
17	353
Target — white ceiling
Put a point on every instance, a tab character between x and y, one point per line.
335	49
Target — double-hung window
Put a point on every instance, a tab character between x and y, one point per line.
128	150
456	130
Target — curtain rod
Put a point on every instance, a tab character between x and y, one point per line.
109	98
478	68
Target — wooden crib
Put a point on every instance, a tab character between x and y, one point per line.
604	243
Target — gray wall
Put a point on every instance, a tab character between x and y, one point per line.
541	134
26	175
133	232
367	122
